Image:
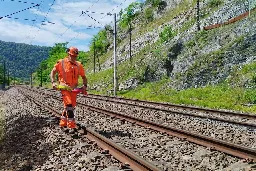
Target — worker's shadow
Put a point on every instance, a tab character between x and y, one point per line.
24	145
118	133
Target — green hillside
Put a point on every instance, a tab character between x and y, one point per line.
22	59
172	61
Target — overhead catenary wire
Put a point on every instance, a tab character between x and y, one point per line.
112	30
89	27
36	15
92	18
87	12
43	20
94	12
25	2
112	10
26	19
19	11
75	21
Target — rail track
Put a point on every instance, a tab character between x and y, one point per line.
129	159
243	119
224	130
34	142
230	148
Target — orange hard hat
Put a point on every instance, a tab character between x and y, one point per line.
72	51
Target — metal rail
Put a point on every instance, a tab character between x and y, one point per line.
229	148
248	116
123	155
113	99
99	97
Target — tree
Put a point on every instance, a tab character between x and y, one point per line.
129	14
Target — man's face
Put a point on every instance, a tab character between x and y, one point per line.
73	56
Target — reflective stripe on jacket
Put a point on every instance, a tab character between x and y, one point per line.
68	72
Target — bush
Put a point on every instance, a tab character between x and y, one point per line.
149	15
167	34
214	3
154	3
250	96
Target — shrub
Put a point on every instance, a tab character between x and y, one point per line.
250	96
167	34
149	14
154	3
214	3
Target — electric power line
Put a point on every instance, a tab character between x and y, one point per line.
43	21
20	11
113	10
34	19
25	2
75	21
93	18
26	19
89	27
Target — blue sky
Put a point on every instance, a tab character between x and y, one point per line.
55	21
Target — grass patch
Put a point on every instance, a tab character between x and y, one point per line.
216	97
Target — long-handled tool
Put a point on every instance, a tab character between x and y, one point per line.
75	90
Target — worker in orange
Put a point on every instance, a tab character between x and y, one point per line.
68	70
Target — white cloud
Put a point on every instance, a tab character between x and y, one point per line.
68	23
46	35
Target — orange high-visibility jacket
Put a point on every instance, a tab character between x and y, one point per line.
68	72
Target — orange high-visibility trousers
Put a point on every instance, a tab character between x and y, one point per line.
68	97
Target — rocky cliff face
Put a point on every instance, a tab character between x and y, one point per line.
194	58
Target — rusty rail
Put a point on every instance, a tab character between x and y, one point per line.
125	156
229	148
248	116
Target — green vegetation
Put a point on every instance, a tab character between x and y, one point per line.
214	3
169	15
154	3
167	34
22	59
149	14
100	43
236	93
1	73
129	14
217	97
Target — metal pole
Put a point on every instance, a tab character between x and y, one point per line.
115	80
31	79
130	30
8	82
198	15
4	76
249	8
41	83
98	61
94	56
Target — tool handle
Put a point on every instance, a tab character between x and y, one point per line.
79	90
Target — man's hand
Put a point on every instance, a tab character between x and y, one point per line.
54	85
84	88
